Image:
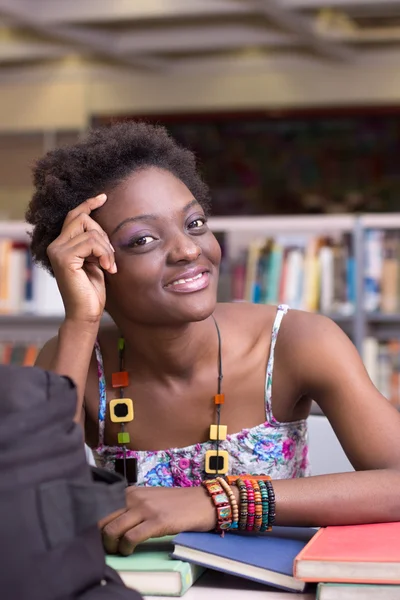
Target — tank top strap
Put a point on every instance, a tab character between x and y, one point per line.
102	392
281	312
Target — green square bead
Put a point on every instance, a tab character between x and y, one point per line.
124	437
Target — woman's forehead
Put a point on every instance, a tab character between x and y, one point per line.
151	191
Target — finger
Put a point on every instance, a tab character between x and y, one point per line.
117	528
80	224
137	535
110	518
85	207
84	247
91	245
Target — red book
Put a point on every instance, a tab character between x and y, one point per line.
352	554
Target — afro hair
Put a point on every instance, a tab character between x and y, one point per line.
66	177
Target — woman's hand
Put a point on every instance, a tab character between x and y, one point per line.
155	512
78	257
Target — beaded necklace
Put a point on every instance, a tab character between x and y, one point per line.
122	412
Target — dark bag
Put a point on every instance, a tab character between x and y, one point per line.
50	499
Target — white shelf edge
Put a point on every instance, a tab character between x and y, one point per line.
18	230
273	225
15	230
381	221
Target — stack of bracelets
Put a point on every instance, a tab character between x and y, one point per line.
257	502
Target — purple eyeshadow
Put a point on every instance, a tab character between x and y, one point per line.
128	234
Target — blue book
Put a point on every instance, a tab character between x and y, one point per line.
266	558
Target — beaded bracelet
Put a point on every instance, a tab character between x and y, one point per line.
251	507
271	502
243	503
258	506
232	500
221	502
265	506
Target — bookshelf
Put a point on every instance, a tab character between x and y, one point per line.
237	233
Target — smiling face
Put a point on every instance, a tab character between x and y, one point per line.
167	258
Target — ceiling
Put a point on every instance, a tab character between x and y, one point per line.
162	36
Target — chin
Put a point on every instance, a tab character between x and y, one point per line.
195	309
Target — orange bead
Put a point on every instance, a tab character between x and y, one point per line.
120	379
219	399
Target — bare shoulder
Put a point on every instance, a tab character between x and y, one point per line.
304	334
46	354
315	349
305	326
247	326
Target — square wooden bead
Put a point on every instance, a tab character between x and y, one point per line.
216	462
121	410
124	437
120	379
219	399
223	430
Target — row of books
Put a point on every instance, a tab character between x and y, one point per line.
347	562
24	287
382	361
18	354
319	273
308	273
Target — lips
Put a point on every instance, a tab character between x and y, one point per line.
191	280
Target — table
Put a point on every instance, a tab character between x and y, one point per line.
219	586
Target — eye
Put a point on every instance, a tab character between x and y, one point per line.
142	241
197	223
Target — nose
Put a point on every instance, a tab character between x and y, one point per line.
183	248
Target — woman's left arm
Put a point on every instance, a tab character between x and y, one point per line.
325	365
330	370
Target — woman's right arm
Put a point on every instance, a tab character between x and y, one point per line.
79	257
69	354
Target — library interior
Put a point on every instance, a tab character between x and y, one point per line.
292	111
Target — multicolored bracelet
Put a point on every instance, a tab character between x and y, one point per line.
232	500
257	503
256	511
221	502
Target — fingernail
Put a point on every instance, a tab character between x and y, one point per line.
112	247
101	197
114	268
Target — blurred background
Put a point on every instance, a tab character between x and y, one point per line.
298	99
293	110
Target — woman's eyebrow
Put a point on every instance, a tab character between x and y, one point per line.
150	216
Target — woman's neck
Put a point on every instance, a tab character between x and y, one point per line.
169	352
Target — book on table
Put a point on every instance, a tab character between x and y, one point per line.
267	558
352	554
151	571
357	591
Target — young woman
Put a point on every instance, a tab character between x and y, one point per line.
120	218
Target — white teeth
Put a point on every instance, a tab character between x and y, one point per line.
179	281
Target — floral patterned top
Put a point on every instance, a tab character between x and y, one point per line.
272	448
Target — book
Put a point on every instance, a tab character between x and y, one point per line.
266	558
25	287
352	554
18	353
353	591
151	571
